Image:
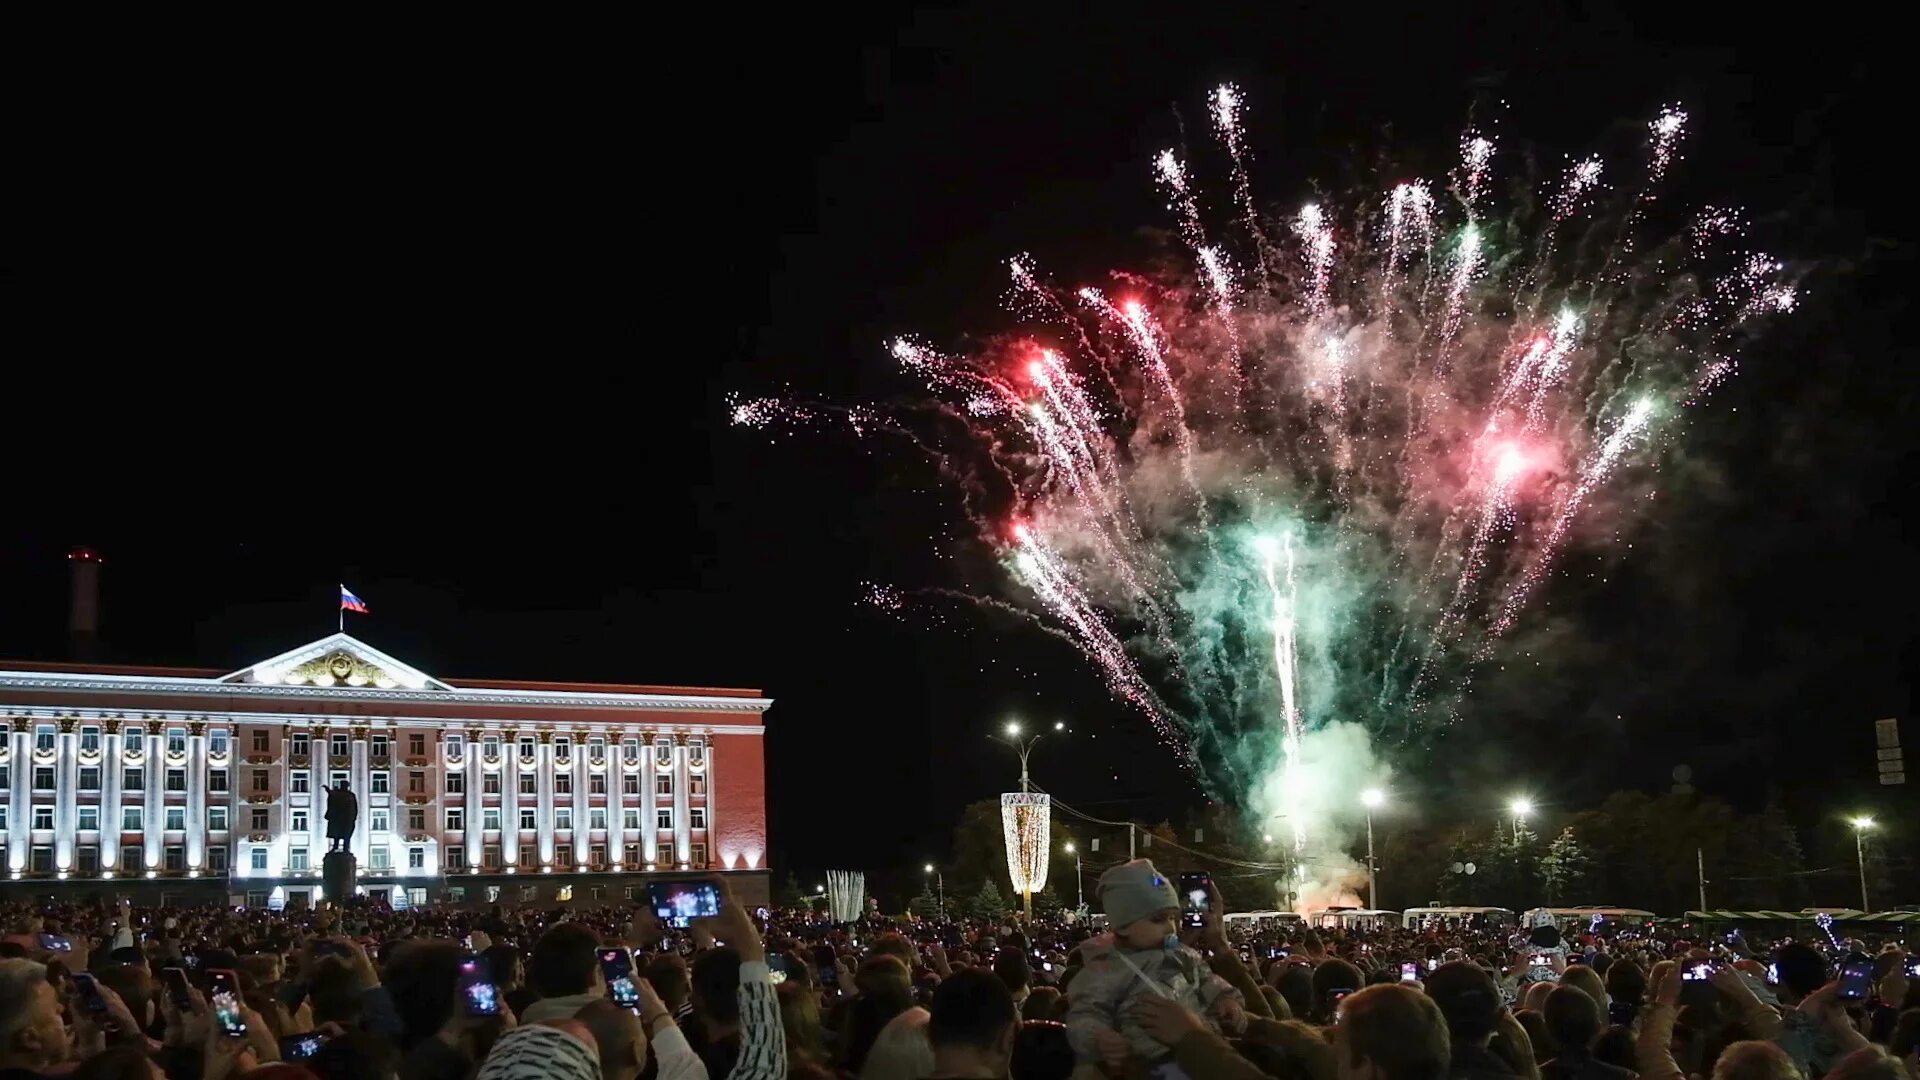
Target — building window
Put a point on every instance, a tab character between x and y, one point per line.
337	744
490	745
217	859
381	747
563	783
129	819
563	817
260	781
456	743
176	858
89	778
216	779
258	820
301	783
297	859
416	819
217	741
302	743
526	746
297	821
176	740
629	750
630	819
257	858
176	779
456	819
526	820
176	818
562	748
133	779
697	784
416	744
597	818
490	818
699	856
259	740
696	752
663	818
43	738
380	859
630	854
6	778
526	783
130	858
455	858
597	784
663	855
597	746
43	817
43	778
133	740
380	782
597	854
490	857
490	784
663	784
563	854
90	740
663	754
630	783
89	819
456	783
216	819
698	818
380	819
416	782
336	777
416	858
42	860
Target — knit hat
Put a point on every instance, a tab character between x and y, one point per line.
1134	890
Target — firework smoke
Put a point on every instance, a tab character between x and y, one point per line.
1285	510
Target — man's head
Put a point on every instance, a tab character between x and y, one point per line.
1332	982
1468	999
566	962
1391	1033
622	1041
1802	970
1754	1060
1572	1016
32	1036
716	984
668	974
972	1021
1141	904
1012	968
896	946
336	987
423	978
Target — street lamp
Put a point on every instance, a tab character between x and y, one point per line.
1036	817
1521	807
1371	799
1860	826
1079	882
940	882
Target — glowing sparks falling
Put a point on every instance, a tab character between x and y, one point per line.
1406	432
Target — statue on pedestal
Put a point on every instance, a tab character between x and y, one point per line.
343	812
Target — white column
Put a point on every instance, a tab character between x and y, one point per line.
649	830
706	803
682	820
66	796
20	802
474	800
581	768
154	768
617	803
510	800
197	794
110	798
544	783
363	791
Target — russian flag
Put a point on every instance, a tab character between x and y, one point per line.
350	602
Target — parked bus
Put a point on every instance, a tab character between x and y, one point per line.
1263	921
1354	919
1575	919
1449	918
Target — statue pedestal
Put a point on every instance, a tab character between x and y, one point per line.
339	874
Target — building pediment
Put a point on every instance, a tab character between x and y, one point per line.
339	660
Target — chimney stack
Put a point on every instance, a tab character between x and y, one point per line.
83	620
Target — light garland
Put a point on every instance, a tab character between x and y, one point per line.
1025	820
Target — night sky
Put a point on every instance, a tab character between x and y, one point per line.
452	318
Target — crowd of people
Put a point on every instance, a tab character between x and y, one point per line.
114	992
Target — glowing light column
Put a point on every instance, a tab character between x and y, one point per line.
1026	818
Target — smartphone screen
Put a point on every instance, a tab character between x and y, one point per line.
178	988
678	903
1697	973
617	966
477	991
302	1046
1409	972
1196	896
1856	980
89	992
823	962
223	995
56	943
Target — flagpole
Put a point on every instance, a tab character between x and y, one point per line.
342	598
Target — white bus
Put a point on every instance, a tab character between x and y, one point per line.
1354	919
1475	918
1581	918
1263	921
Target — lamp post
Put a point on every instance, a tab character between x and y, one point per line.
1015	737
1079	882
940	883
1522	807
1372	798
1860	827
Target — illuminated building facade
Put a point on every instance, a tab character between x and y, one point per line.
196	785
